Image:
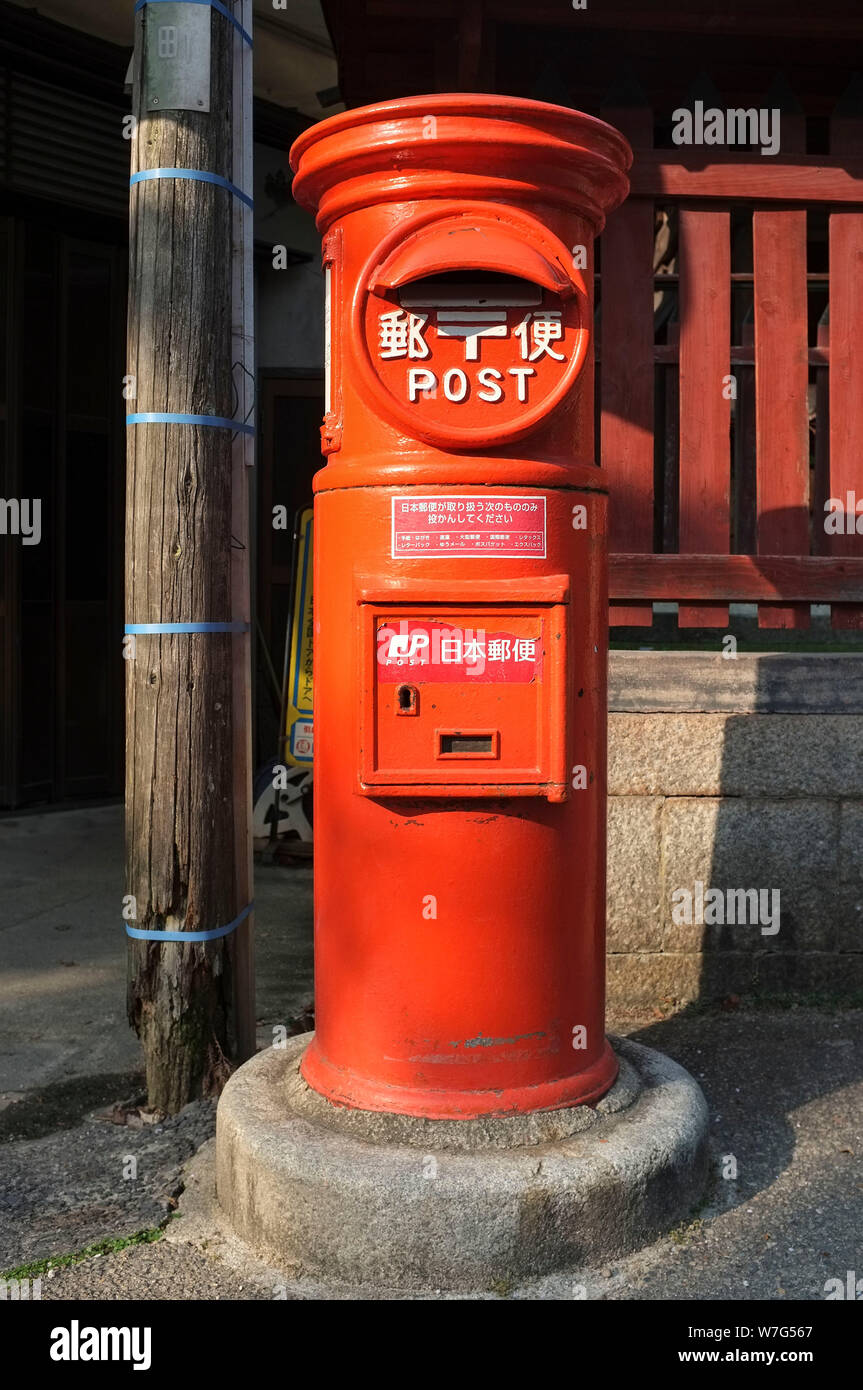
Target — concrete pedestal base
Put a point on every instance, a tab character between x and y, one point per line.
360	1197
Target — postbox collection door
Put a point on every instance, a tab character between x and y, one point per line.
464	698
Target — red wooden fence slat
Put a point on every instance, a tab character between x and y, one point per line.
781	382
821	481
745	502
627	369
846	380
705	337
671	452
846	351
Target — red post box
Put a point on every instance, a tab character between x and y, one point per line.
460	608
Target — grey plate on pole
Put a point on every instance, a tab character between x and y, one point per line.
177	57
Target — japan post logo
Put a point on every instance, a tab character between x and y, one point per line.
407	646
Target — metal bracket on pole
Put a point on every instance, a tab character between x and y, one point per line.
177	56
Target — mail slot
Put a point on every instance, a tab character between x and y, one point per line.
457	744
460	608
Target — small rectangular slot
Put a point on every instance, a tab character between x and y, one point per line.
442	291
466	745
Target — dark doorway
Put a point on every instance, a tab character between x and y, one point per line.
62	312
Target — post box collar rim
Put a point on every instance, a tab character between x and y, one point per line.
470	104
462	470
503	149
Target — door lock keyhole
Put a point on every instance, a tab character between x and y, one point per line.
408	698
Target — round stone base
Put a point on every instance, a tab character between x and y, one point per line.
356	1196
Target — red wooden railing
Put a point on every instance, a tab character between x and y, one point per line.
746	474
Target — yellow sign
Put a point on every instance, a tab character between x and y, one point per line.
299	725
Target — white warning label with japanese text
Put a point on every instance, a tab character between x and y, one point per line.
483	525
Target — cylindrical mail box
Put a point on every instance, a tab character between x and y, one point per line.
460	608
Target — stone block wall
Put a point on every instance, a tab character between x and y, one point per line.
766	794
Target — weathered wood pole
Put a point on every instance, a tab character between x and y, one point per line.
184	697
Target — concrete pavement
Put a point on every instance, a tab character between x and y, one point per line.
785	1093
63	948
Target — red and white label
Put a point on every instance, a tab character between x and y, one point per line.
418	650
461	525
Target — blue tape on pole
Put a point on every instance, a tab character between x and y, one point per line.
142	934
198	175
136	629
214	5
167	417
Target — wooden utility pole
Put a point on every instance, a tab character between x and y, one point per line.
188	781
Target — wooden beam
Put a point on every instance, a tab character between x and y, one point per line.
690	175
741	353
842	18
736	578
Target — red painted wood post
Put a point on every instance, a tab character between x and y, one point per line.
627	379
782	377
705	405
846	342
821	482
671	454
470	46
745	490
